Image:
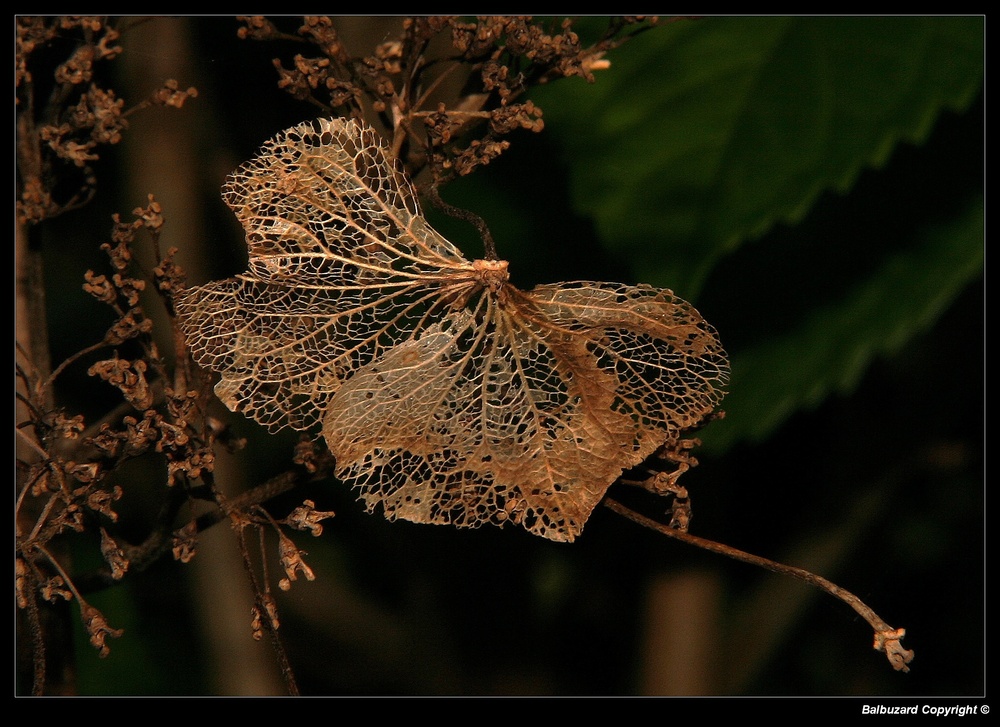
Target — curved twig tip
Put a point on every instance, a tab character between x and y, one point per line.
888	641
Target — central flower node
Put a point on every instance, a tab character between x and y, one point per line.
491	274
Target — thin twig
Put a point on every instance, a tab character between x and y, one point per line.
160	540
887	639
490	250
70	359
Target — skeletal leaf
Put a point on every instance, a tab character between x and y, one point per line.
446	394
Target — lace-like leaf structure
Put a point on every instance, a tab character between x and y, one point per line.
446	394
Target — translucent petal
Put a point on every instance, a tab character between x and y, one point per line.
446	394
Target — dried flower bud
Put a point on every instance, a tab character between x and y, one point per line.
129	377
99	287
151	215
122	234
108	442
114	555
36	203
127	327
129	288
140	434
889	642
68	427
305	454
256	618
169	275
185	541
256	627
291	559
192	463
257	28
98	629
100	501
53	590
306	517
79	68
171	95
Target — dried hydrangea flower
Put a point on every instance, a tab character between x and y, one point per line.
446	394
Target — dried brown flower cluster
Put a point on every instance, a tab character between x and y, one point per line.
70	483
67	481
445	89
63	115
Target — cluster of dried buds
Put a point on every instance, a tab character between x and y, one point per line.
68	468
445	88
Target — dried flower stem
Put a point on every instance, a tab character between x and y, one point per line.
887	639
262	606
70	359
489	247
63	574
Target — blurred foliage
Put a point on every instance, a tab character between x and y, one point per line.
702	138
707	134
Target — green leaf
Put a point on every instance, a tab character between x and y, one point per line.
706	133
832	347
